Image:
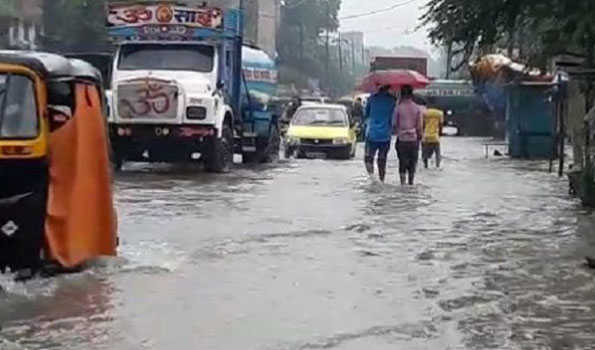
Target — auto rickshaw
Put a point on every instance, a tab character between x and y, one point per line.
56	206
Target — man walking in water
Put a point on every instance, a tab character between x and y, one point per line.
409	130
433	124
378	116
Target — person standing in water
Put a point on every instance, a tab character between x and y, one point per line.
409	130
378	118
433	124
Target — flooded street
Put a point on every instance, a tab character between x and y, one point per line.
309	254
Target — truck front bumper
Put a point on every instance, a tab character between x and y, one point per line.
159	143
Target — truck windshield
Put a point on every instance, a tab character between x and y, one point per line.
18	109
197	58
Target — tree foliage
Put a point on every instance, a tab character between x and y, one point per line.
535	29
9	8
302	42
77	25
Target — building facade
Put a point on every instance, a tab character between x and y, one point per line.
268	24
354	48
21	24
262	21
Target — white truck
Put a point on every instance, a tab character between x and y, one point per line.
178	92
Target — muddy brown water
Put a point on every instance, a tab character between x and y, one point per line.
309	254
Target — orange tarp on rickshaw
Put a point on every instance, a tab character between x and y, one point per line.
81	220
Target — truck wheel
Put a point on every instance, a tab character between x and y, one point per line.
271	151
249	157
288	152
219	155
267	151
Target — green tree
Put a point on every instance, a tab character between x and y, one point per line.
476	27
74	24
302	40
8	8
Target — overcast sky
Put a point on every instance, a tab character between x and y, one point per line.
389	29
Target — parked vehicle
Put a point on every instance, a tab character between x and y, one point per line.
177	88
55	204
418	64
463	109
321	130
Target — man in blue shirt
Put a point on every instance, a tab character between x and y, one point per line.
379	126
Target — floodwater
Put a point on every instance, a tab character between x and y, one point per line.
310	254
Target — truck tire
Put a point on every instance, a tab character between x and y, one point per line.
270	153
249	157
267	151
289	152
219	154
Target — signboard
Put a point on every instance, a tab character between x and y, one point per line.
162	15
446	92
260	75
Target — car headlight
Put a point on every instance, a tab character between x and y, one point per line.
341	141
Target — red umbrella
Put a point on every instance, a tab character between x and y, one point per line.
396	78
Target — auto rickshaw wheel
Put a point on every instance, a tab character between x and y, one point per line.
118	162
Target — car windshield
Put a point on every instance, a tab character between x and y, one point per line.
198	58
320	117
18	110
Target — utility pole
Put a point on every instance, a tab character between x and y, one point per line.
353	56
301	42
340	54
328	58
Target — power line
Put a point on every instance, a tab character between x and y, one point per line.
365	14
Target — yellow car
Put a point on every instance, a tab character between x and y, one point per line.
321	130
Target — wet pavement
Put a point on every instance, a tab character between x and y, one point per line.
310	254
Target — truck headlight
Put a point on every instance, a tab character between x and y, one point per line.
341	141
196	113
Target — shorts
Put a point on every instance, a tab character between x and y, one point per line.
408	153
373	147
429	149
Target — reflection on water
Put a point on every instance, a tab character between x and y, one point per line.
309	254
